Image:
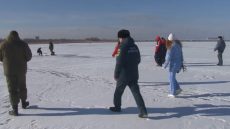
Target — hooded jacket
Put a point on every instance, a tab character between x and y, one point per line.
14	53
220	46
127	61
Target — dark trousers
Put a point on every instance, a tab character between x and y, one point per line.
17	88
159	59
121	85
220	58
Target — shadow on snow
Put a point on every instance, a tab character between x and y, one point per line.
202	64
181	83
167	113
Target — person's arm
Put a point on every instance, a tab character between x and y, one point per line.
28	52
115	50
119	62
217	46
157	47
1	53
167	59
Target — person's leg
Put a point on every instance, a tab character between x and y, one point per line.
220	58
23	91
177	84
12	84
172	82
138	97
157	59
118	93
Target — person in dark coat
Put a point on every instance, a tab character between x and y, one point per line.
126	73
160	51
15	53
51	47
220	46
39	51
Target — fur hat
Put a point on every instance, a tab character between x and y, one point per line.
123	33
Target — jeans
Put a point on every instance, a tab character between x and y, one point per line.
173	84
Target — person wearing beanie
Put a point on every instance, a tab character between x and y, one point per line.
220	46
160	51
15	53
126	72
173	60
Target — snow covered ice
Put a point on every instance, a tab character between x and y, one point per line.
74	89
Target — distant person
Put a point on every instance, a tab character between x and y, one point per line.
51	47
174	59
160	51
39	51
15	53
220	46
126	73
115	52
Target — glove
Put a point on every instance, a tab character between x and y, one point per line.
184	68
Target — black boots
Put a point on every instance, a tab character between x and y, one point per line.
143	115
25	104
14	112
115	109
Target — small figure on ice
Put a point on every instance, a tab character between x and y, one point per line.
51	47
160	51
220	46
39	51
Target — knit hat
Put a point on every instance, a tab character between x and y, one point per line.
123	33
220	37
171	37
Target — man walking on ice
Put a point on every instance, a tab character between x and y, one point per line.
126	73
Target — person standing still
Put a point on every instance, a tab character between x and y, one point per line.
15	53
126	73
220	46
51	47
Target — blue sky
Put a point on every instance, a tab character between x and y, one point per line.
188	19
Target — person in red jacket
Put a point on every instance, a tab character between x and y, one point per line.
160	51
115	52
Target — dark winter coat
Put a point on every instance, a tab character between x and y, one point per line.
51	46
220	46
127	61
14	53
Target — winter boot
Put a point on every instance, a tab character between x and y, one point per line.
25	104
14	112
115	109
143	115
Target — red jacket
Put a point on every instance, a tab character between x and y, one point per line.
116	50
159	42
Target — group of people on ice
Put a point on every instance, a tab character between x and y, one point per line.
15	53
51	48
